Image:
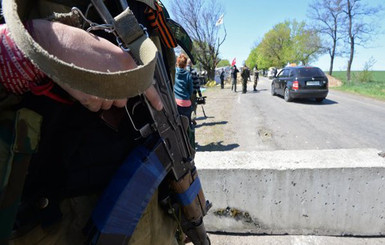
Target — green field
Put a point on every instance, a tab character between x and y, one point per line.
374	88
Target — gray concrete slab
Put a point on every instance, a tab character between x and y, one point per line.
315	192
226	239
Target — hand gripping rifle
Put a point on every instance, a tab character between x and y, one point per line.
171	153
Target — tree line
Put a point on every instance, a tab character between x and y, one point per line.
338	27
287	42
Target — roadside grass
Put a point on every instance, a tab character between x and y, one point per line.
374	88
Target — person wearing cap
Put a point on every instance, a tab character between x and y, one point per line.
73	135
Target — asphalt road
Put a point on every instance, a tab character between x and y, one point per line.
260	121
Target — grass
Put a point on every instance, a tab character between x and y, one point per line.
374	88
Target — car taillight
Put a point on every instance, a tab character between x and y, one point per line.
295	85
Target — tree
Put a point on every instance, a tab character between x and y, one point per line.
358	30
290	41
252	59
305	44
275	44
223	63
199	18
256	58
328	15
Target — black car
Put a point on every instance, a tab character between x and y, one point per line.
300	82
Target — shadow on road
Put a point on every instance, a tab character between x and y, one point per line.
202	118
211	124
313	102
216	146
258	90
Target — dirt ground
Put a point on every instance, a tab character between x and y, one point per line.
333	82
214	131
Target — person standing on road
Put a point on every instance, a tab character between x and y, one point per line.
256	77
245	76
222	77
234	73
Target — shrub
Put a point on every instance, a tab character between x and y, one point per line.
366	75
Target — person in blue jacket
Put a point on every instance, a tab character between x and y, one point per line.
183	87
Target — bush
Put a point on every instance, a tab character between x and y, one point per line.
366	75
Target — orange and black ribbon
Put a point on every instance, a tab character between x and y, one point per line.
157	21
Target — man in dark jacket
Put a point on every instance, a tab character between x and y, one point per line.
245	76
234	73
196	90
222	77
256	77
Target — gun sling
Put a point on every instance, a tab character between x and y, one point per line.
187	197
117	212
109	85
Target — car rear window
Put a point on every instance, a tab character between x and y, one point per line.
310	72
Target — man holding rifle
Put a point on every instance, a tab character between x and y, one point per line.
74	162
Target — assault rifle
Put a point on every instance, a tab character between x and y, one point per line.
168	153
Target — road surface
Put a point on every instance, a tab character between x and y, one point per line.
260	121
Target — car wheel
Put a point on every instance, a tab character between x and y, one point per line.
319	99
272	90
286	95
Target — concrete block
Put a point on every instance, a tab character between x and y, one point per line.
310	192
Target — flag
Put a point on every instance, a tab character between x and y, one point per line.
234	62
219	21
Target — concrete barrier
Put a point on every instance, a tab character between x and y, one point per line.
312	192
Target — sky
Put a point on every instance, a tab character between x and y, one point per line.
247	21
